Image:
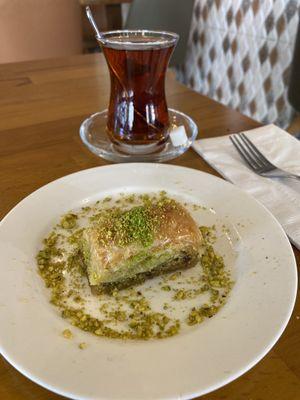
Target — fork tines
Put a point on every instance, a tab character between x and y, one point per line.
250	153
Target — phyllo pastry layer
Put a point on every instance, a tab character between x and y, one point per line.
126	247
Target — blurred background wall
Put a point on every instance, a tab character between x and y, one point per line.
240	53
35	29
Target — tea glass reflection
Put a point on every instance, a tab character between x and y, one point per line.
137	60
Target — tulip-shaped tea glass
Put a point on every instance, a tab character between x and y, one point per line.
138	117
138	122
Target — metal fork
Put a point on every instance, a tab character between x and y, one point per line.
256	160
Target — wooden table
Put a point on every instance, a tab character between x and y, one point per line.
42	104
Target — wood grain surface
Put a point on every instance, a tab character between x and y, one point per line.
42	104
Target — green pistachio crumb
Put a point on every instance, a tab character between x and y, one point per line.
208	233
67	334
69	221
180	295
174	276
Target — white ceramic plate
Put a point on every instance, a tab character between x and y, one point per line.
190	364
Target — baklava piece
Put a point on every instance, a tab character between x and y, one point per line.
124	248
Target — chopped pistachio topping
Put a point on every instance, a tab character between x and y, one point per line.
129	313
136	225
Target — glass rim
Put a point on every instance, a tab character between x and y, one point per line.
168	38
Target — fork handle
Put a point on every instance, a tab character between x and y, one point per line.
293	177
278	174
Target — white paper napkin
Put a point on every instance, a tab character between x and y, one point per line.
280	196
